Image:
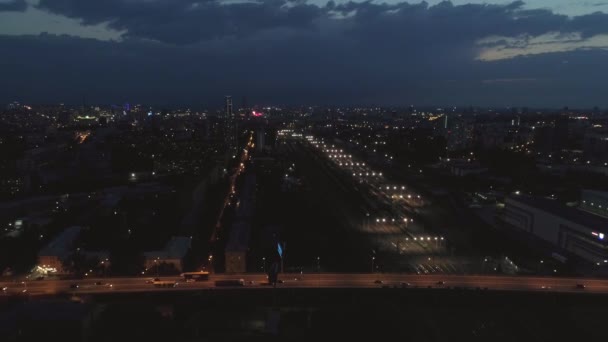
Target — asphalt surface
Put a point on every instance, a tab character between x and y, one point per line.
311	280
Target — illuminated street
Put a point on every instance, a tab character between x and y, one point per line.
320	280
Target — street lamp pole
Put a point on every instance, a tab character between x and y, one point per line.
319	271
373	258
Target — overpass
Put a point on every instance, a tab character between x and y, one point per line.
312	280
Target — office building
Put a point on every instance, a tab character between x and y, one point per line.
230	125
228	107
260	140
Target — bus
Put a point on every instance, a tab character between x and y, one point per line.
196	276
164	283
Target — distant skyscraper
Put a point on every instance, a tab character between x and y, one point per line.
231	125
445	121
244	103
228	107
260	139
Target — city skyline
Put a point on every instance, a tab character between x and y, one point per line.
502	54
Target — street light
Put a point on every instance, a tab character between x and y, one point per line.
373	258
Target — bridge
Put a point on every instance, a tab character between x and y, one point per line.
312	280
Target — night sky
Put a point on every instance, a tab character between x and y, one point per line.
541	53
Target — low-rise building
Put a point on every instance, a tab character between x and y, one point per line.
174	253
55	252
569	229
237	247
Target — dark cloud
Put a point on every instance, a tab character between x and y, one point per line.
186	51
191	21
13	6
186	21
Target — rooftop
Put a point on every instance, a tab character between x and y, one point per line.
595	193
60	246
176	248
584	218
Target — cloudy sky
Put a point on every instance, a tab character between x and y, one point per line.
170	52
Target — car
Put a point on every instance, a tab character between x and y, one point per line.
378	281
40	278
441	282
406	285
581	286
251	282
190	280
74	286
544	287
4	289
280	281
98	283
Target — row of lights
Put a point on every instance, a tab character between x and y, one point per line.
384	220
367	174
427	238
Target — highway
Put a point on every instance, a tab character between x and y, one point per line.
311	280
